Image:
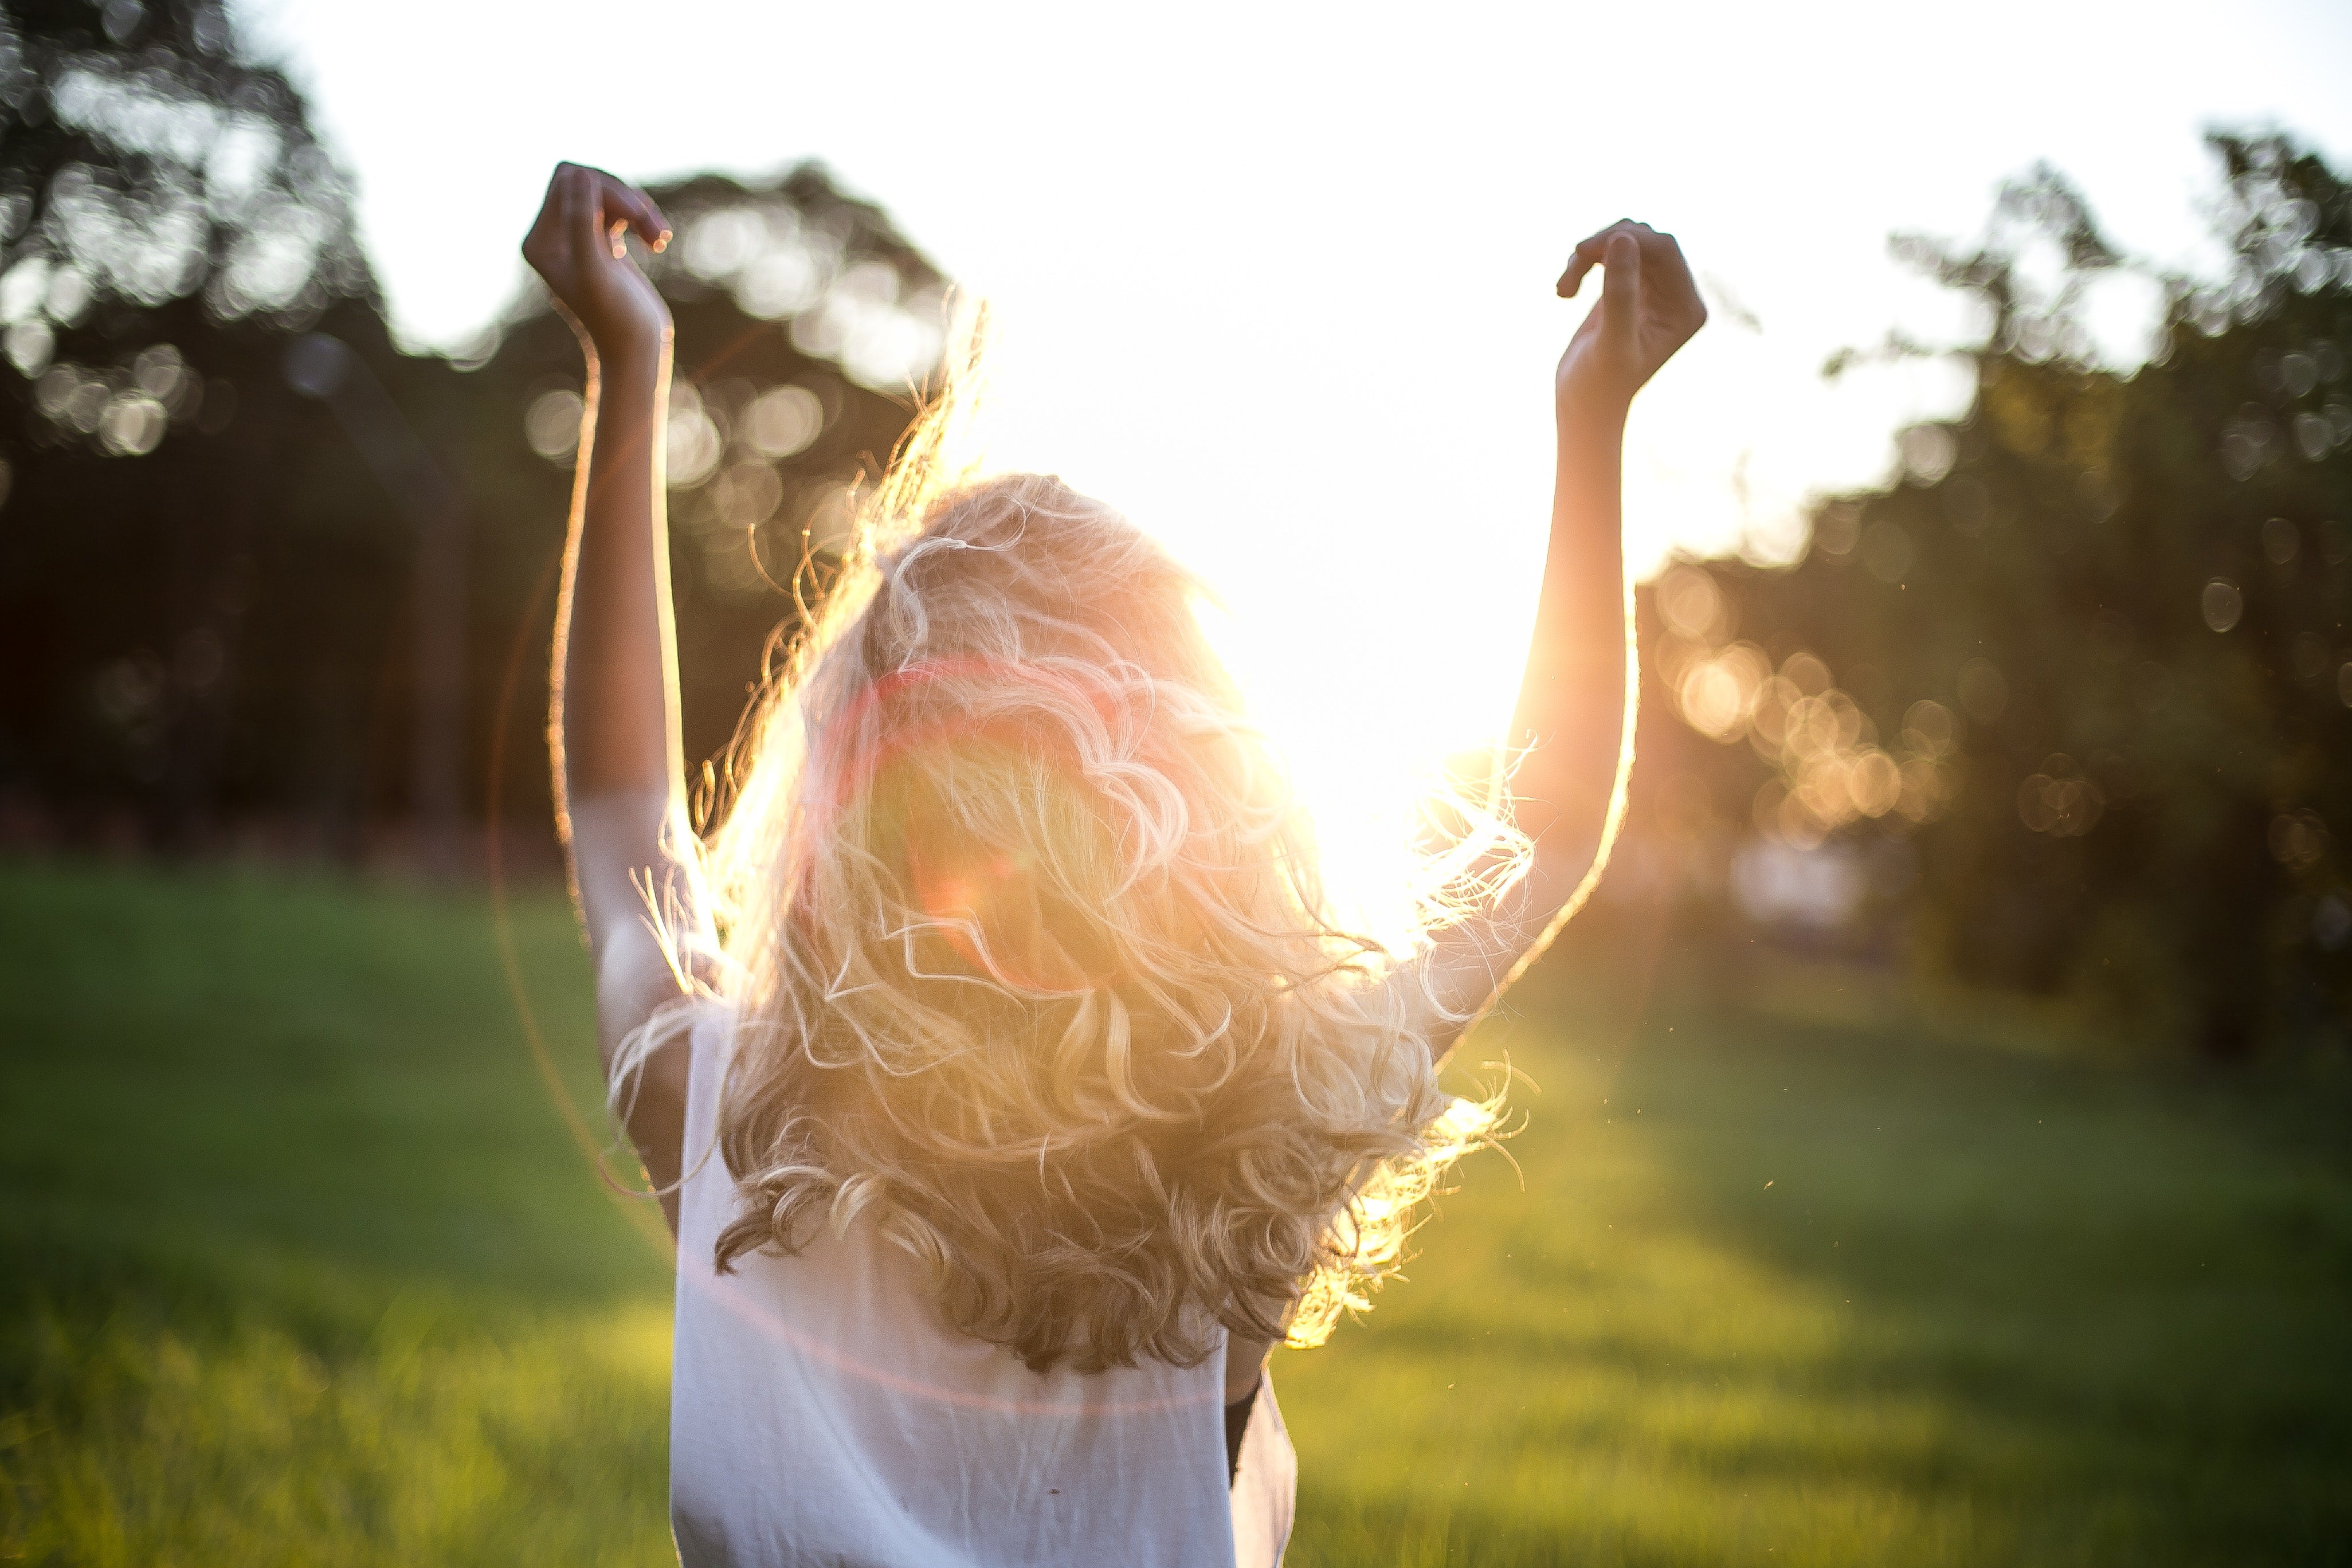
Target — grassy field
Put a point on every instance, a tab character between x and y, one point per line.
299	1264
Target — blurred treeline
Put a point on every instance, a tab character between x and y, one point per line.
2068	708
267	582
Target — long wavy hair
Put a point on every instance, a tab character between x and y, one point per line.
1030	960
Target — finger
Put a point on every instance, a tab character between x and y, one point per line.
1596	244
642	215
1667	280
1588	253
552	235
621	203
558	210
1620	288
592	225
625	204
1662	255
1581	260
584	214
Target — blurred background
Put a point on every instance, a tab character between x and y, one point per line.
1936	1142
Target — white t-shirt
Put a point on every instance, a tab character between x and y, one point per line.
821	1414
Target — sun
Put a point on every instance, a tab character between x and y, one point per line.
1375	616
1367	757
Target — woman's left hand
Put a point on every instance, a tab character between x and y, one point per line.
1649	307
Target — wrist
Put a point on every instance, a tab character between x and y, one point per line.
630	352
1587	409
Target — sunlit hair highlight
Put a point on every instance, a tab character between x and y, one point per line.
1029	958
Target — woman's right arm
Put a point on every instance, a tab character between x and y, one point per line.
619	777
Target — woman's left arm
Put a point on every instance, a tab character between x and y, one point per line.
1573	723
619	778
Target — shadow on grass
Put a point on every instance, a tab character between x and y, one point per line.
2136	1275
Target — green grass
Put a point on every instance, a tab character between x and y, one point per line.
299	1264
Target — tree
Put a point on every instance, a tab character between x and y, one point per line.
263	575
169	221
2089	655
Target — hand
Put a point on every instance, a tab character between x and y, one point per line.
576	246
1649	307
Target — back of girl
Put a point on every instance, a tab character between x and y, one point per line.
1009	1086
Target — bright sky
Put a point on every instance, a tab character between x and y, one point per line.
1228	236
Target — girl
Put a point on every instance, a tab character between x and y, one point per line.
1004	1078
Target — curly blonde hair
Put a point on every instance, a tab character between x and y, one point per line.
1030	960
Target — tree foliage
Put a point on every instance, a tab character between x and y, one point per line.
189	589
210	592
2087	659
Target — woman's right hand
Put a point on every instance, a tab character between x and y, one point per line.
576	246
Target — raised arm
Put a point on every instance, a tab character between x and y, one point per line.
1573	724
620	785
